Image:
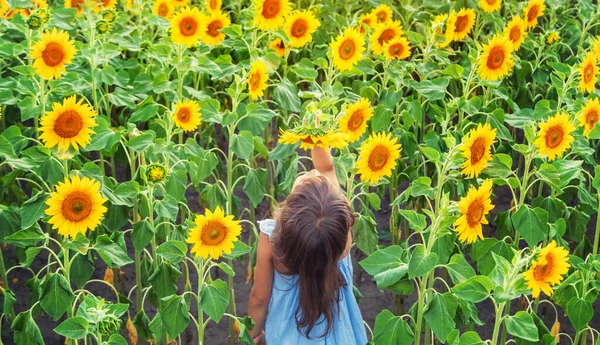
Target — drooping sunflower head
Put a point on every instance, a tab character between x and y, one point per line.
68	124
216	21
309	138
347	49
473	209
535	9
590	114
52	53
186	115
548	270
75	206
554	136
278	45
496	60
515	31
553	37
188	26
588	73
367	20
384	33
257	79
214	5
354	121
377	157
490	6
382	14
214	234
163	8
476	149
465	20
397	48
300	26
270	14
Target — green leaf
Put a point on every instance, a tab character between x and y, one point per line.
211	110
113	254
173	251
167	207
254	186
459	269
521	325
57	295
532	224
416	220
391	330
420	262
141	142
439	314
73	328
214	299
433	90
117	339
386	266
174	315
26	330
239	249
365	234
286	96
242	144
33	209
580	313
164	279
475	289
145	111
26	238
256	119
141	235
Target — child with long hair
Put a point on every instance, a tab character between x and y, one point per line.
302	291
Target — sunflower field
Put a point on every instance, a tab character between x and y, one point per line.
142	140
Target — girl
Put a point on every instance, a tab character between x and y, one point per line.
302	291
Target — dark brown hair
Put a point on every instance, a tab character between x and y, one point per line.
309	238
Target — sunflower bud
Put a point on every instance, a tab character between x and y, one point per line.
64	155
103	26
110	15
156	173
35	21
193	48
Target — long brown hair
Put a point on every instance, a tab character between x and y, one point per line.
309	238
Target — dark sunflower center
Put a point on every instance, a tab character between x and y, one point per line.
53	54
271	9
213	5
542	272
163	10
477	150
592	117
299	28
491	2
533	13
461	23
347	49
76	206
184	115
356	120
386	35
378	158
475	213
554	136
214	27
495	58
396	49
588	72
381	16
188	26
68	124
213	233
515	33
254	80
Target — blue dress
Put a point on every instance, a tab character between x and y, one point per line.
280	329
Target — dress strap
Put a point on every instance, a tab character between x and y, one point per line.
267	226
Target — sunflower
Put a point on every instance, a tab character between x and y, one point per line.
490	6
465	20
52	53
515	31
382	14
104	5
438	24
156	173
377	157
299	27
257	79
596	46
131	5
535	8
589	115
214	234
554	136
186	115
367	20
448	30
68	125
76	4
347	49
163	8
180	3
270	14
214	5
496	60
473	209
4	8
476	149
548	270
397	49
188	26
279	46
552	37
309	141
216	21
589	73
384	33
354	121
75	206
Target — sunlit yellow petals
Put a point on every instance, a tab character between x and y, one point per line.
553	37
278	45
473	208
476	149
79	5
548	270
52	53
216	21
257	79
214	234
188	26
68	125
554	136
496	60
214	5
382	14
535	9
490	6
104	5
384	33
366	20
397	48
163	8
327	140
589	115
377	157
187	116
465	20
516	31
348	49
588	73
270	14
354	121
300	26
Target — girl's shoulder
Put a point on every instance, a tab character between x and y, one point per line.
266	226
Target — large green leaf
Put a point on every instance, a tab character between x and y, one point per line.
113	254
421	262
580	313
242	144
254	186
174	315
33	209
391	330
474	289
214	299
521	325
26	330
173	251
532	224
57	295
73	328
386	266
439	313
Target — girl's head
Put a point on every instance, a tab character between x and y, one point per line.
312	234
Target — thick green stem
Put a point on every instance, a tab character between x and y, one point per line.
201	268
597	235
231	307
420	308
498	323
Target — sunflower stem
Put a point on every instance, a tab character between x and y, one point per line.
498	322
597	235
201	267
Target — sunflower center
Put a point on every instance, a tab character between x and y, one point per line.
461	23
495	58
477	150
214	27
554	136
299	28
254	81
356	120
308	140
533	13
163	9
78	3
280	44
515	33
188	26
347	49
76	206
271	9
386	35
381	16
213	4
542	272
475	213
68	124
214	233
592	117
491	2
53	55
378	157
588	72
396	49
183	115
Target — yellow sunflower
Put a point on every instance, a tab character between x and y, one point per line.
214	234
382	14
328	140
448	30
554	136
279	46
270	14
214	5
377	157
186	115
188	26
515	31
257	79
588	72
548	270
300	26
131	5
76	4
473	209
68	125
354	121
75	206
52	53
438	24
465	20
490	6
163	8
347	49
216	21
535	8
476	149
180	3
553	37
496	60
4	8
104	5
384	33
367	20
590	114
397	48
596	46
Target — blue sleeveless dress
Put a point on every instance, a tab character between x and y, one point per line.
280	329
